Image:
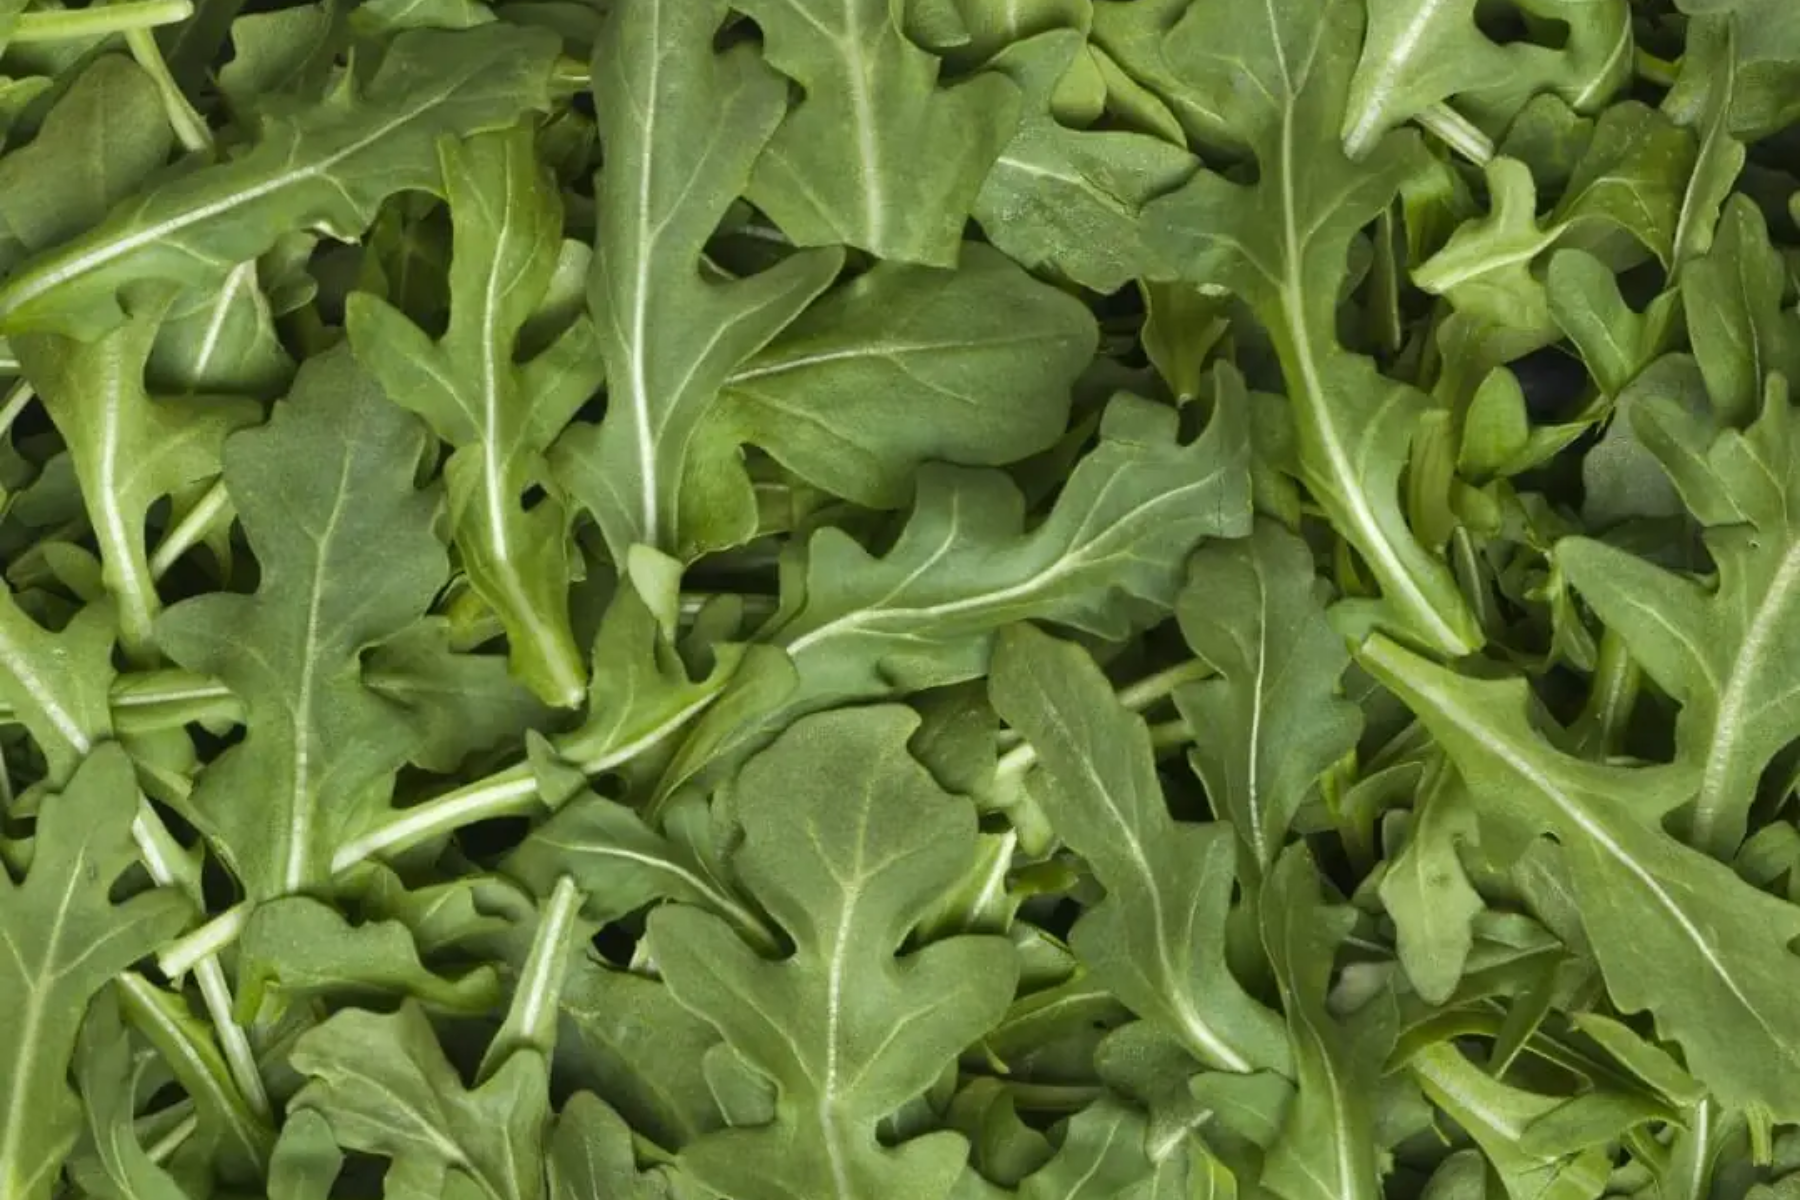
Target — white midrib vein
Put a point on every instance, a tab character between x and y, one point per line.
19	667
1399	56
1730	721
493	471
637	380
1259	838
868	139
121	556
1472	725
834	1016
40	283
241	274
1069	562
1374	543
29	1035
297	867
1174	988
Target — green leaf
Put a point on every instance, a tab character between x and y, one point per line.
59	684
382	1083
907	365
1427	892
1158	940
129	449
104	137
466	704
1740	330
1066	200
107	1073
844	167
498	414
590	1156
1103	1155
348	558
681	126
1718	650
65	938
1274	719
964	566
295	949
847	842
1675	932
1327	1149
1282	245
326	167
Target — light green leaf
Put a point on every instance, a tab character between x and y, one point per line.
295	949
590	1156
59	684
107	1073
348	558
906	365
1273	718
499	415
1427	892
1675	932
1719	650
129	449
227	343
65	938
681	126
844	167
1158	940
1739	328
1102	1157
847	843
1282	244
326	167
104	137
306	1160
1065	200
382	1083
924	613
1327	1149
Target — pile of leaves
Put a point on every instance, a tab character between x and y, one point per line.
900	600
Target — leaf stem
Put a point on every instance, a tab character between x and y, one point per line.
531	1020
189	126
17	398
181	955
1457	132
167	866
194	525
1651	69
96	21
172	1141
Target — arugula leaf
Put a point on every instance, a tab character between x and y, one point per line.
847	1031
841	169
1278	82
383	1086
1158	941
326	167
1675	932
1250	610
499	415
129	449
65	938
348	557
656	472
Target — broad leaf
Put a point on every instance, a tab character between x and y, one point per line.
348	558
847	842
326	167
1279	81
64	938
384	1086
498	414
1676	932
1273	718
845	165
1158	939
